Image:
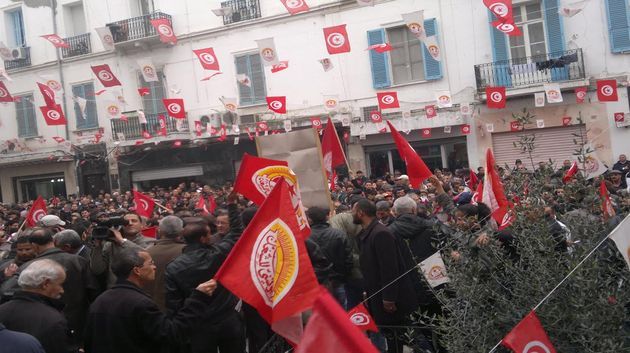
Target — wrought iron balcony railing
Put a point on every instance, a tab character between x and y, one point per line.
79	45
132	129
242	10
532	70
22	57
135	28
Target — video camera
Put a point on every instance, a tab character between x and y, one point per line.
103	229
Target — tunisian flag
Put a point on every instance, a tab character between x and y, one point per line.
165	30
175	107
48	94
337	41
105	75
362	319
495	97
607	208
53	116
331	148
207	58
144	204
329	330
36	212
528	336
56	41
5	96
494	196
269	267
417	170
570	173
295	6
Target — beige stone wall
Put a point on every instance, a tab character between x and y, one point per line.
8	173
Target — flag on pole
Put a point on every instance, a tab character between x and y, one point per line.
417	170
493	194
329	330
36	212
269	267
144	205
331	148
621	237
473	180
528	336
362	319
607	208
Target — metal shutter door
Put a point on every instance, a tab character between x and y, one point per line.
157	174
555	143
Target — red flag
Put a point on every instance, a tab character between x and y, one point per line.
53	116
566	121
144	204
56	41
346	136
472	180
333	178
387	100
201	205
515	126
36	212
316	123
295	6
502	9
331	148
59	139
162	120
177	143
146	135
257	176
99	92
607	91
329	330
362	319
269	267
150	232
478	195
528	336
175	107
571	172
416	169
262	125
49	95
97	137
207	58
105	75
277	104
607	208
5	96
144	91
465	129
222	133
426	133
494	196
337	41
165	30
198	128
376	117
280	66
139	143
580	94
507	27
430	111
212	204
495	97
381	48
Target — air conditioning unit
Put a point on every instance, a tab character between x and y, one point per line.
18	53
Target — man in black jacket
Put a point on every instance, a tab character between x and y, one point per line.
36	309
335	246
201	259
125	319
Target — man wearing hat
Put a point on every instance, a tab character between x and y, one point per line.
52	222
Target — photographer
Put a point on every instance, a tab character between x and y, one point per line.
109	242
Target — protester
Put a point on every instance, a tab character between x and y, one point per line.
18	342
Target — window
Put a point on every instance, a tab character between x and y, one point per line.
25	114
406	56
619	25
251	65
365	112
74	19
15	29
242	10
152	102
529	18
89	118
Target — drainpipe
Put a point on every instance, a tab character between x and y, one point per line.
59	66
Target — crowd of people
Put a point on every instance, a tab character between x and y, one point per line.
94	276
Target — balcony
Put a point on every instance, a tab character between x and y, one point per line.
132	129
79	45
24	59
532	71
242	10
128	32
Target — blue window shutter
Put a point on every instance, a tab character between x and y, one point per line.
618	25
501	55
555	37
379	63
432	67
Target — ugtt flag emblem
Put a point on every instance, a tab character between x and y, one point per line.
269	267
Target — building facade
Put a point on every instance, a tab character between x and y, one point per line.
111	139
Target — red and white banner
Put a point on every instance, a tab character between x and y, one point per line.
465	129
207	58
515	126
56	41
507	27
426	133
502	9
175	107
105	75
5	96
607	91
144	205
381	48
430	111
36	212
59	139
387	100
267	51
53	116
376	117
295	6
620	119
316	123
162	131
337	41
566	120
146	135
282	65
580	94
277	104
144	91
262	126
165	30
528	336
361	318
48	94
495	97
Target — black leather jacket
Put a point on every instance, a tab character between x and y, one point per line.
337	249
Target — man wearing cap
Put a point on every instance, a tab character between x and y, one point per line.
403	181
52	222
